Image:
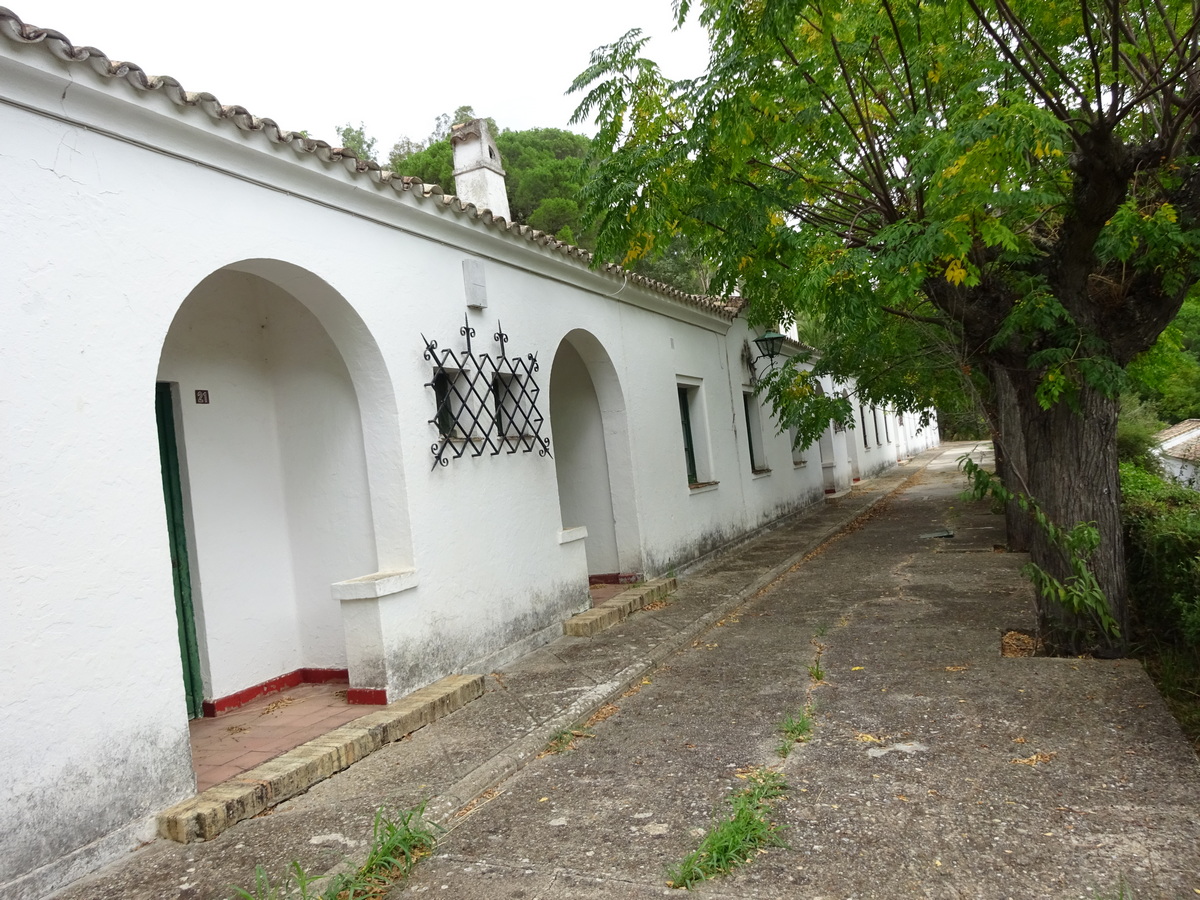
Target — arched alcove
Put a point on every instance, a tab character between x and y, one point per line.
287	462
593	462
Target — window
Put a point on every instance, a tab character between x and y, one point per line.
511	419
798	459
758	462
448	402
862	417
695	447
887	432
875	420
689	444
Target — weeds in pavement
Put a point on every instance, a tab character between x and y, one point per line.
564	740
397	844
733	841
795	729
815	672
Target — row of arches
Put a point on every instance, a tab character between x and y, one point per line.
284	473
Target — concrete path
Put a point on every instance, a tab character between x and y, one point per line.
937	768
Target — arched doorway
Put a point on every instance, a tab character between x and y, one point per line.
263	369
593	463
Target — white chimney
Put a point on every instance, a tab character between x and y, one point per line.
478	176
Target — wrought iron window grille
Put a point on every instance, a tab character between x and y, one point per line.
484	403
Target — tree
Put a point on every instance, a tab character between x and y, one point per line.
354	137
1008	187
545	173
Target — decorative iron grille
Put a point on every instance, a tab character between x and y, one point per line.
484	403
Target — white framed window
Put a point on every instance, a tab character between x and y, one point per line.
694	424
754	441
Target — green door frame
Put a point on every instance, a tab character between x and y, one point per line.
168	452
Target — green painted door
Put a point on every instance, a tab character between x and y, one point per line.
168	452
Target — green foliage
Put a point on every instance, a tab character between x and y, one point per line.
546	170
1162	540
1079	593
736	840
1137	426
565	740
794	729
397	844
678	264
962	422
433	164
1168	374
354	137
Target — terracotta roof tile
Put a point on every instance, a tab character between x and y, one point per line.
1176	430
58	45
1188	450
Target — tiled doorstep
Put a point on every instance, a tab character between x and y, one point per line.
276	779
234	742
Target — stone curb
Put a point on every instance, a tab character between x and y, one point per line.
610	612
443	808
206	815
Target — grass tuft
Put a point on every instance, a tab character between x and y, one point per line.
734	841
397	844
565	740
795	729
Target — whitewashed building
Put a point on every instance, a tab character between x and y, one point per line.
272	415
1179	452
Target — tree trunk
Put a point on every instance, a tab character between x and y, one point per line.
1010	457
1072	473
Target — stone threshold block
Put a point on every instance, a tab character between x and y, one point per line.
610	612
209	813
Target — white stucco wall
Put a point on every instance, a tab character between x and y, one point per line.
143	243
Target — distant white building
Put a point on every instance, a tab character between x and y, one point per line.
1179	451
271	415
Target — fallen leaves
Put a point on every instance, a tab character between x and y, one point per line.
276	705
1018	643
608	710
1035	759
635	688
867	738
484	798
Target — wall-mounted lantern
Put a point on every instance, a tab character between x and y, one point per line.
769	345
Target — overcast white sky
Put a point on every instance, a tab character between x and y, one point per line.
393	66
